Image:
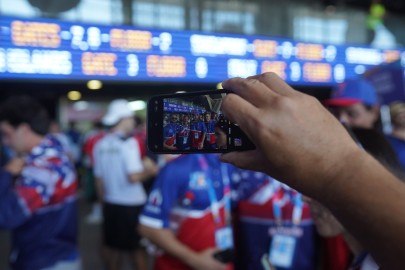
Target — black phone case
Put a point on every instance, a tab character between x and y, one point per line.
155	128
225	256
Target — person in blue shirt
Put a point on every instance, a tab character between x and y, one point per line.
40	205
198	132
187	214
170	131
183	137
210	138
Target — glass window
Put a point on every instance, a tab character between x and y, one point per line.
322	30
159	15
17	8
236	20
96	11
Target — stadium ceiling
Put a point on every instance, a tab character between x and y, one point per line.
394	6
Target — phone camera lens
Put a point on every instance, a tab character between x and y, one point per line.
156	108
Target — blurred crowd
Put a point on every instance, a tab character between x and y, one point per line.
176	211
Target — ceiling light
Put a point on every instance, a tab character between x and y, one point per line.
94	84
74	95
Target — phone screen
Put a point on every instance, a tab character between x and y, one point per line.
190	123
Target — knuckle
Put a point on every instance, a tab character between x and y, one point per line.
269	75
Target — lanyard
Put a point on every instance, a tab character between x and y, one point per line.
278	202
212	194
298	208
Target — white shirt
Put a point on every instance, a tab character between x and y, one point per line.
114	159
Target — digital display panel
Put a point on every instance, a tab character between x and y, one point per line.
51	49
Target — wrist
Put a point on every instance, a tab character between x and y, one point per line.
192	260
341	175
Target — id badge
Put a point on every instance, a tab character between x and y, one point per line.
224	238
282	250
208	138
184	140
196	135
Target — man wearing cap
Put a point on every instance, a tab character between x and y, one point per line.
397	137
355	103
119	171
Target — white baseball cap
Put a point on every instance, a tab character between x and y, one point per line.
117	110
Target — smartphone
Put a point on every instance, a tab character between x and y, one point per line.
192	123
225	256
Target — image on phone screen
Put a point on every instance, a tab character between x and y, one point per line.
194	123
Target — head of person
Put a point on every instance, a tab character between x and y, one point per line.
355	103
195	117
397	112
23	123
119	117
174	118
185	119
221	138
207	116
376	145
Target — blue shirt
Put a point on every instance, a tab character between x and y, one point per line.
257	196
399	148
183	137
41	208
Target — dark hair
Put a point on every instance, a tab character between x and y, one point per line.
24	109
375	143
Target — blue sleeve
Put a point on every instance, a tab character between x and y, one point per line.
245	183
203	127
167	190
165	131
12	213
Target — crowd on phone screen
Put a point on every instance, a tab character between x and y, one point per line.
186	131
188	207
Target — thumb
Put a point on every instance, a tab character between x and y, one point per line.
245	159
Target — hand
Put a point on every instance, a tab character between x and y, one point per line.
170	147
206	261
150	166
15	166
297	140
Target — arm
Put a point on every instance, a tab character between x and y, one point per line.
170	147
149	169
165	239
204	133
12	213
137	169
300	143
18	203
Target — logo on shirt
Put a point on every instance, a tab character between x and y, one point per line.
155	197
197	180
